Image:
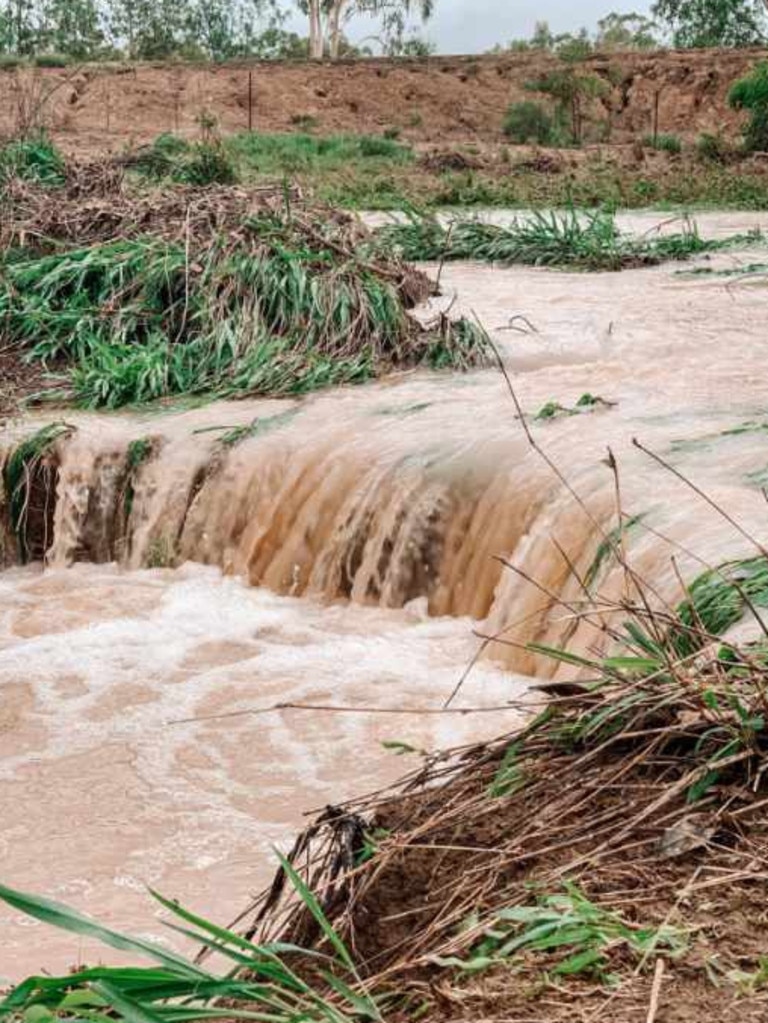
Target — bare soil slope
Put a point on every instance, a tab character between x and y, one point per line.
441	99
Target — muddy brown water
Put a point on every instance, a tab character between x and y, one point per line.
342	555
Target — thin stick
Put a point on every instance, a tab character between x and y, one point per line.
658	977
334	709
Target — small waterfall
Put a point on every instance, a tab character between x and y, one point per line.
350	498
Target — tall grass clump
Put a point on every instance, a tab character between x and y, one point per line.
570	238
35	159
202	163
303	153
278	305
664	143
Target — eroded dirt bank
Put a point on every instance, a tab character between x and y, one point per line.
437	100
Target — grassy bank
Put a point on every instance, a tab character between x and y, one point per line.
380	173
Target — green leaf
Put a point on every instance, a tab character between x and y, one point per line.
57	915
310	901
580	962
130	1010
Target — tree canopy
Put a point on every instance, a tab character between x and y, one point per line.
699	23
213	29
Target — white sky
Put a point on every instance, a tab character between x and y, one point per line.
472	26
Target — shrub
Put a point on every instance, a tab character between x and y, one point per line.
528	122
208	164
572	90
304	122
664	143
712	148
203	163
51	60
751	93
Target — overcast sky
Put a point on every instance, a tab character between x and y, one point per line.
472	26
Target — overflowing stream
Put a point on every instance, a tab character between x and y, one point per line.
205	564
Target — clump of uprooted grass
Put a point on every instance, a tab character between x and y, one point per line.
569	238
223	293
615	841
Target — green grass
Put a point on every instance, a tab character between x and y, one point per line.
573	933
234	435
720	597
273	154
202	163
569	238
269	310
258	985
33	159
664	143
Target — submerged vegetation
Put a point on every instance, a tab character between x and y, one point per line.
29	480
583	240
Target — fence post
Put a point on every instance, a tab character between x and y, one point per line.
250	101
656	98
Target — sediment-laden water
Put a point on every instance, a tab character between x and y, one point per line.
337	553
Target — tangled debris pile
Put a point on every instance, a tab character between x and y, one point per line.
617	841
132	296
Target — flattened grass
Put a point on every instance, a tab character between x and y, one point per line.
279	305
569	238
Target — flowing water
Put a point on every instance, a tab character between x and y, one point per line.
337	553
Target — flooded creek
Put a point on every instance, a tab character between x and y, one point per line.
341	553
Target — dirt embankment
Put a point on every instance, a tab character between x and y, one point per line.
441	99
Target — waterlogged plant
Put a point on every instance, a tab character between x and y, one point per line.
264	982
586	403
29	481
139	452
566	934
232	436
568	238
719	598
